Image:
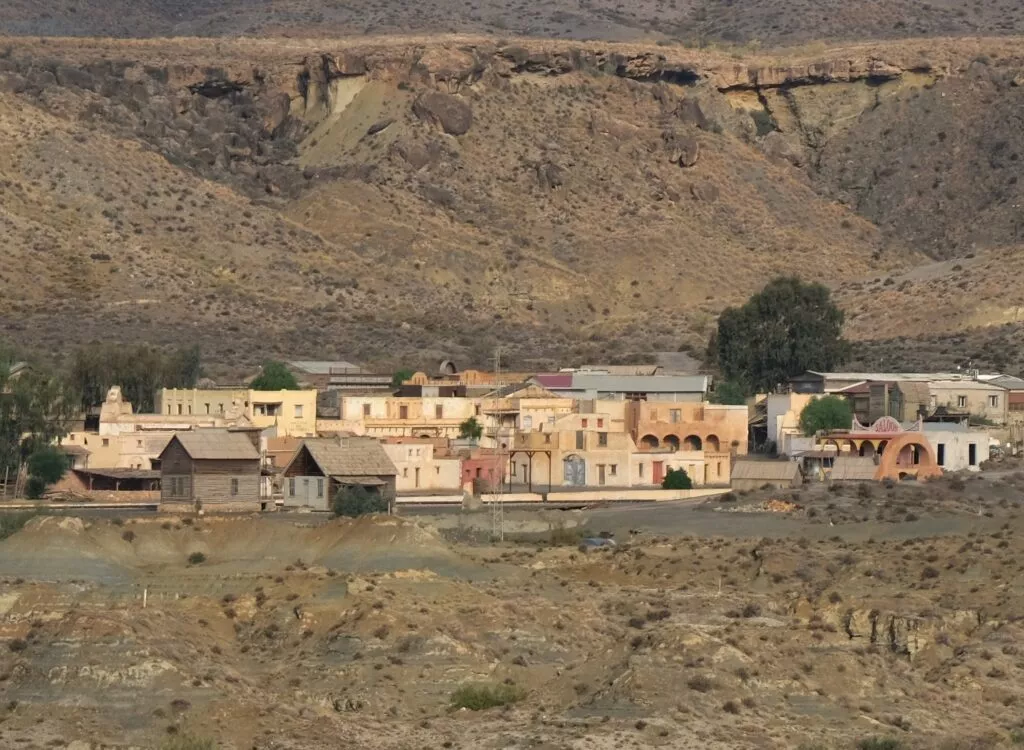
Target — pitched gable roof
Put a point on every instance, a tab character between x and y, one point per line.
765	470
350	457
854	469
216	445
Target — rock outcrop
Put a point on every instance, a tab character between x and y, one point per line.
453	115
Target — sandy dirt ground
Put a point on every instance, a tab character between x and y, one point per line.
799	619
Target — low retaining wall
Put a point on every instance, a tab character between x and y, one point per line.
601	496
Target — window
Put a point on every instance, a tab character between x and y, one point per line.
437	470
403	412
513	468
417	476
234	487
993	401
600	423
584	423
366	410
438	411
527	422
190	409
207	408
613	469
405	472
602	439
479	472
476	410
579	440
168	408
291	486
547	438
718	470
640	471
221	408
940	449
972	454
961	402
320	487
179	409
551	420
298	411
675	416
138	443
106	442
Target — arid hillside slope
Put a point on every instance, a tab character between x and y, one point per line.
697	22
409	198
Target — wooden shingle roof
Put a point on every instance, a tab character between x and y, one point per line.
217	445
350	457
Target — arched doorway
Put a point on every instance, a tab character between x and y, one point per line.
712	443
867	449
671	441
908	453
574	471
648	442
692	443
881	447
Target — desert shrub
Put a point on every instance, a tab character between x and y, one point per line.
701	683
188	742
930	572
957	484
880	743
357	501
729	497
196	558
752	609
864	491
482	697
11	523
731	707
676	479
17	645
34	488
128	536
560	536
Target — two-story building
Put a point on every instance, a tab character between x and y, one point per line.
289	413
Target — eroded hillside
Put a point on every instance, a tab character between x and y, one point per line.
413	198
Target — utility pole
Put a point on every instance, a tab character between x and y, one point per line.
497	493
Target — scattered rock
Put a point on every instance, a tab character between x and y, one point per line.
705	191
550	175
277	113
380	126
439	195
68	76
450	113
684	148
777	146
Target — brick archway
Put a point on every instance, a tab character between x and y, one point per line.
890	466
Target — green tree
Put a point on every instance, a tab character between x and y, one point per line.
275	376
139	370
48	464
729	392
35	411
676	479
826	413
358	501
787	328
471	429
400	377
